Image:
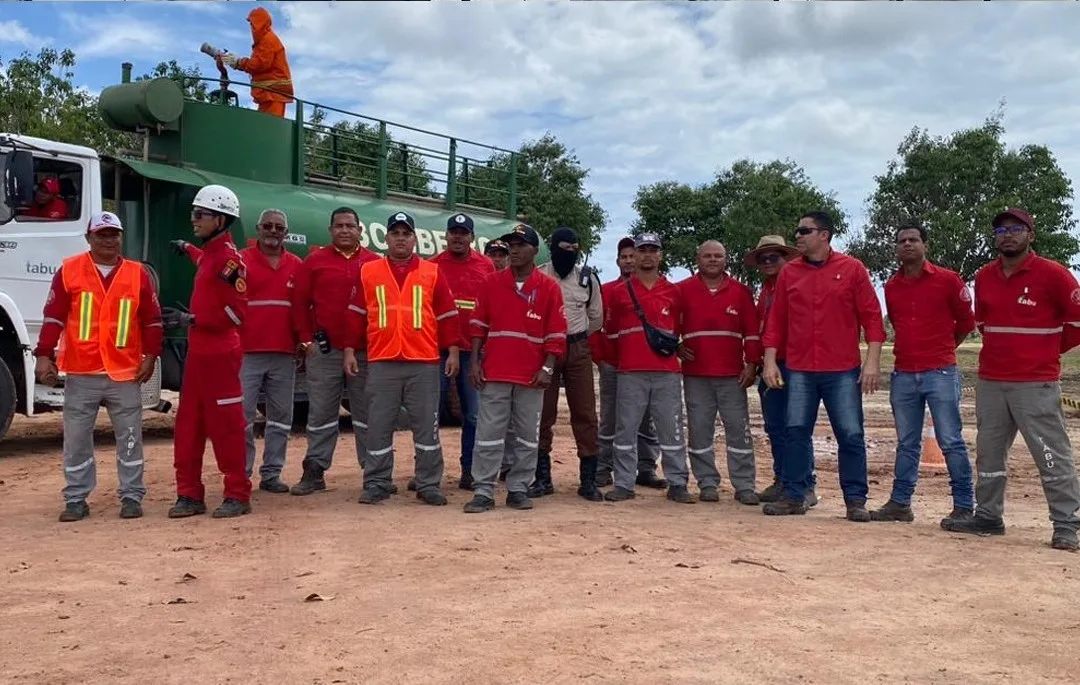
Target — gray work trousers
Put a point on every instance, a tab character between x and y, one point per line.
648	450
508	424
660	394
326	381
274	375
705	398
414	385
83	395
1002	408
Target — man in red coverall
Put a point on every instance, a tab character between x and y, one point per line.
47	202
211	399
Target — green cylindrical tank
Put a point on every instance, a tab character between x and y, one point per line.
141	104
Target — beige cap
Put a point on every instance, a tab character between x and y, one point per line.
770	242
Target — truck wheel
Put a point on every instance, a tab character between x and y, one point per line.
8	398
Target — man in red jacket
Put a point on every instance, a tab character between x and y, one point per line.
721	354
47	201
1027	308
520	326
822	301
324	286
499	254
211	398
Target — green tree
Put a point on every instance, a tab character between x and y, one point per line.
189	78
550	189
744	202
954	186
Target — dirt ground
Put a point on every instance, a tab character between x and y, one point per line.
639	592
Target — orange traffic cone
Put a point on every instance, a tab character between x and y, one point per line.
932	457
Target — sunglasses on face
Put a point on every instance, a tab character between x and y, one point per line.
766	259
1009	230
199	215
803	230
270	226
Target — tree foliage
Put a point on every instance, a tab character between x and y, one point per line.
744	202
189	78
954	186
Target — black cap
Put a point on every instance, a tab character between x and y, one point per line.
401	218
496	245
460	221
625	243
643	239
522	232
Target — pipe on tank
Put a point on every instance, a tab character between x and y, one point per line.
125	72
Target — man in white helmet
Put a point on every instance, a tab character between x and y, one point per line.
211	398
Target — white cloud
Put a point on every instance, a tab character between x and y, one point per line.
118	34
13	32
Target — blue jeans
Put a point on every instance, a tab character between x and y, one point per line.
774	412
910	394
841	394
470	405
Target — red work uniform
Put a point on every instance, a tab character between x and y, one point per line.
628	349
764	306
325	285
929	313
211	398
269	325
1027	320
465	276
721	328
53	209
817	313
598	345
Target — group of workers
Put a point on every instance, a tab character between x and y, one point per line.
394	334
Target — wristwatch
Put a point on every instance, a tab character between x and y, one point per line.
547	369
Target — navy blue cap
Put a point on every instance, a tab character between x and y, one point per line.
460	221
643	239
522	232
401	218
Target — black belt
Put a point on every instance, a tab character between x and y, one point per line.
576	337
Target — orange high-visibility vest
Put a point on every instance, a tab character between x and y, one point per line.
102	331
401	320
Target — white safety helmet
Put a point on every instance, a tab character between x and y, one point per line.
219	199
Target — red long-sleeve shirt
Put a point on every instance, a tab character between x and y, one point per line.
219	299
464	275
325	285
446	314
929	313
721	328
598	343
1027	320
58	306
818	311
764	306
662	307
519	328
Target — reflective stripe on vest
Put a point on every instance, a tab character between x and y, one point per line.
417	307
86	315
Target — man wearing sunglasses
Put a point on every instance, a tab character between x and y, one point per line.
1028	311
822	301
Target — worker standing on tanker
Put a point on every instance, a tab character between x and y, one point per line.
584	311
403	313
211	398
464	270
271	79
499	254
521	327
325	285
104	313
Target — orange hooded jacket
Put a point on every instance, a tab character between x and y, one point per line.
267	65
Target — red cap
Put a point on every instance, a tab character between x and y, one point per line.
50	185
1018	214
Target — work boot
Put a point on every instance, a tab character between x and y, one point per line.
618	494
479	504
518	500
273	484
466	482
856	511
186	506
785	506
231	508
587	476
1065	538
709	493
773	493
432	496
373	494
603	478
958	514
893	511
542	485
649	479
748	497
130	509
312	481
411	486
74	511
679	493
976	525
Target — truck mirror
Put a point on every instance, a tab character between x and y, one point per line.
18	180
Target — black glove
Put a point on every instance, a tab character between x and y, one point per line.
179	246
174	318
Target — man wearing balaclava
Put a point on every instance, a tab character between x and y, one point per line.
584	315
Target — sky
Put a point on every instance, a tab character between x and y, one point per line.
641	91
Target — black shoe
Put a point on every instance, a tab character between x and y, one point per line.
1065	539
784	507
709	493
232	508
479	504
466	482
773	493
373	495
74	511
411	486
432	496
604	479
312	481
893	511
747	497
976	525
185	506
856	512
275	485
618	494
587	476
958	514
679	493
130	509
518	500
542	485
649	479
